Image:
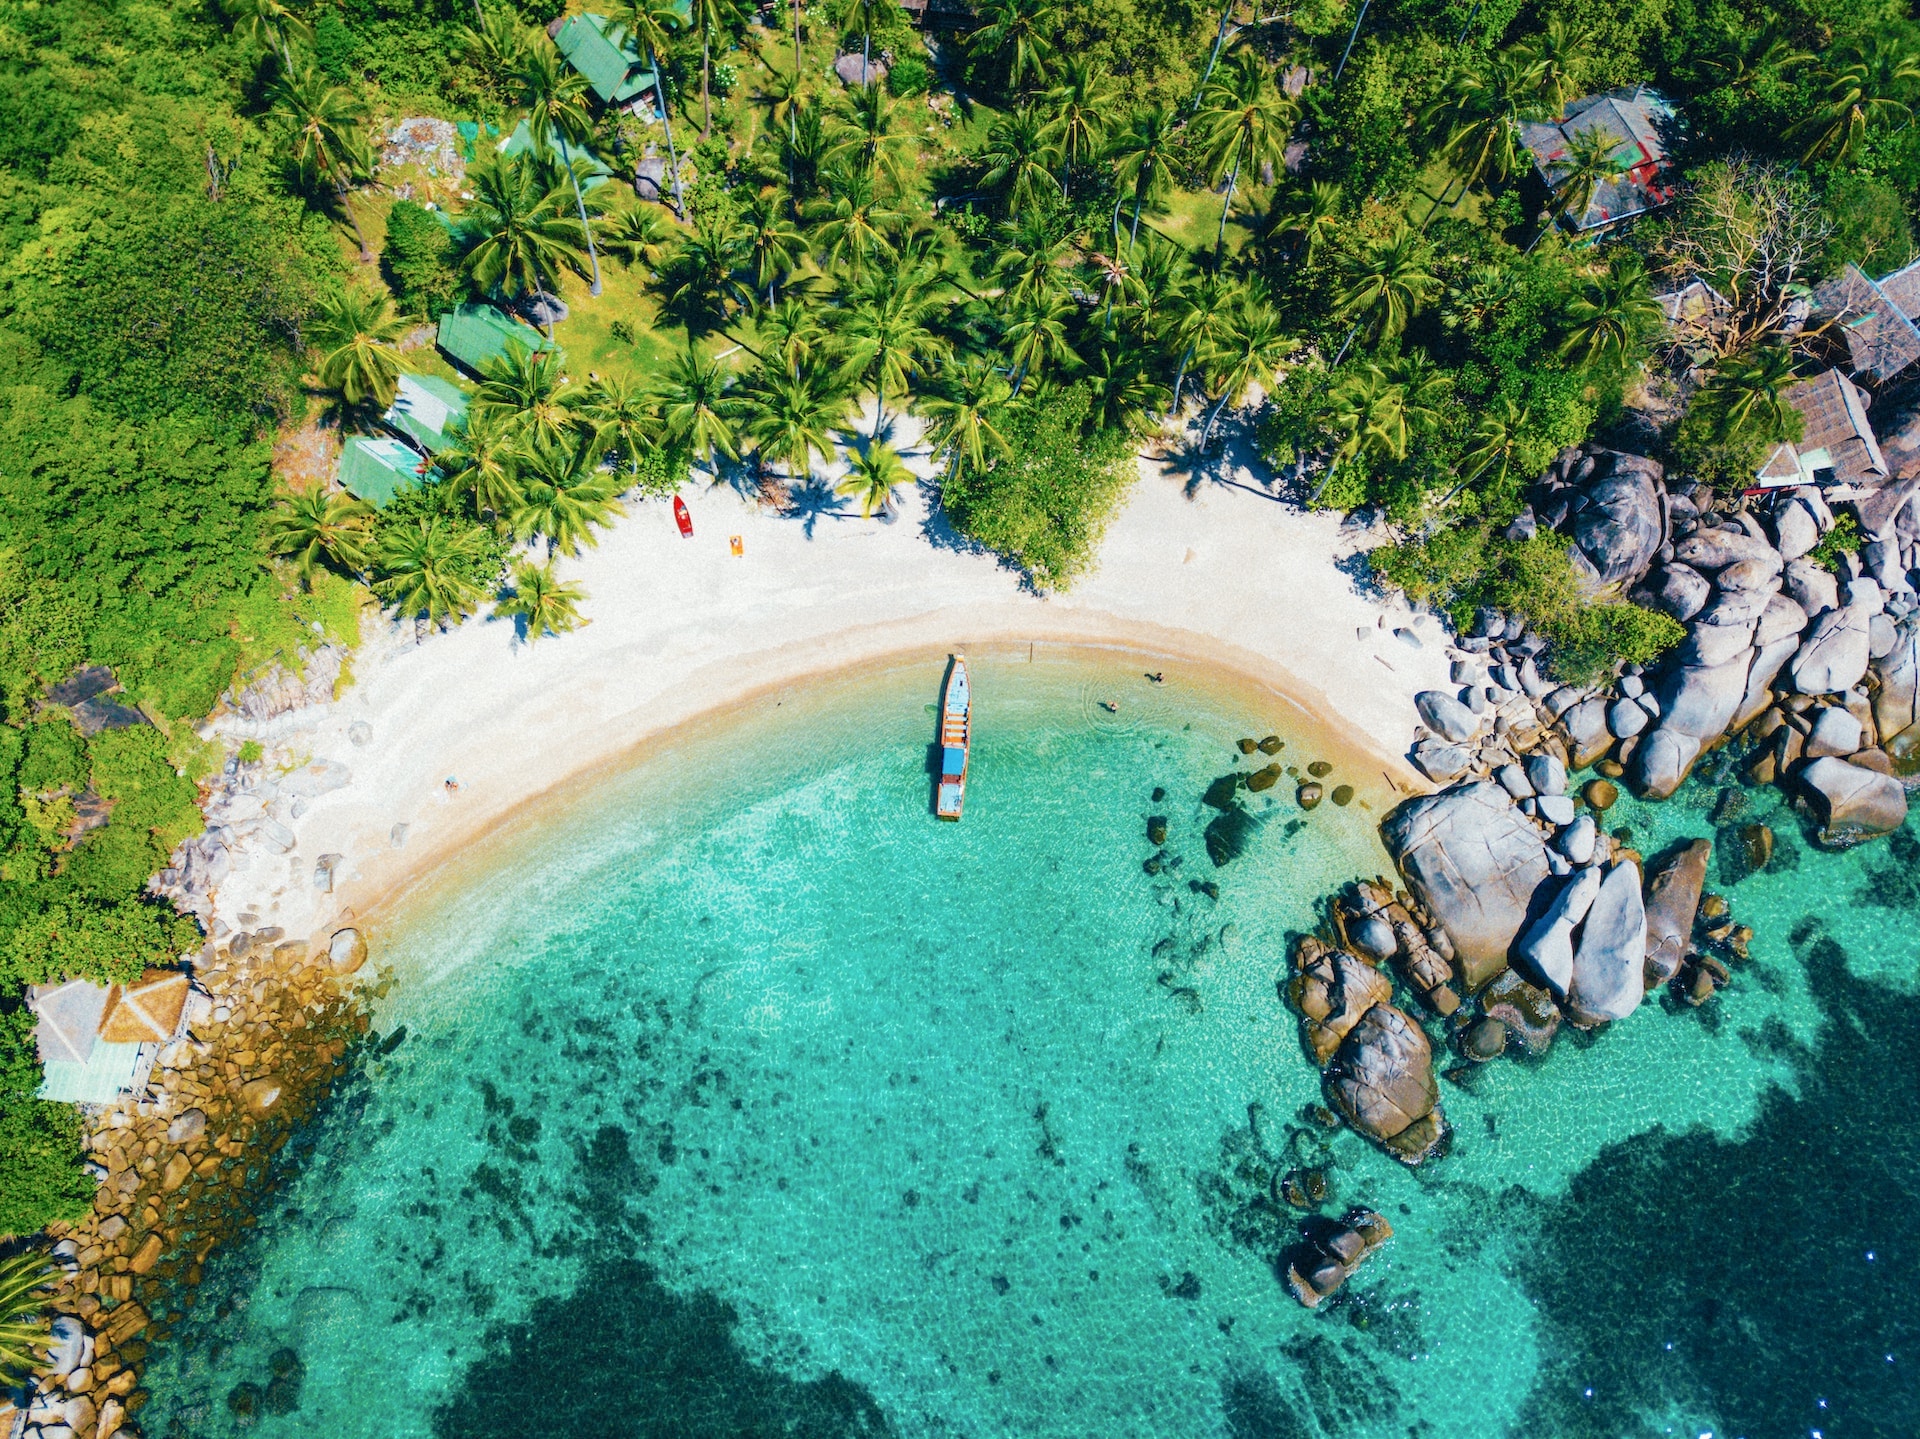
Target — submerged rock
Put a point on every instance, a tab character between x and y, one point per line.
1527	1010
1473	863
1852	803
1381	1081
1672	900
1229	835
1329	1253
1332	990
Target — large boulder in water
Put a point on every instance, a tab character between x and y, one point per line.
1609	967
1332	990
1852	803
1381	1080
1673	898
1547	947
1661	760
1473	862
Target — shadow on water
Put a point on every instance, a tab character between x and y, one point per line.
622	1356
1766	1286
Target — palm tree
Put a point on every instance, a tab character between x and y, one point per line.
1869	86
1080	103
874	477
497	47
1142	159
483	463
1556	61
354	331
316	526
1198	311
24	1278
777	247
636	234
428	569
890	325
543	603
1594	158
961	408
624	416
1748	392
868	135
1369	412
1494	448
1018	158
1245	120
790	413
790	331
1613	315
1162	273
781	94
1245	352
852	226
1480	112
1019	34
704	280
708	16
1115	277
271	26
1389	281
695	407
651	24
1037	334
1031	257
522	390
1125	393
565	495
1312	218
555	95
525	235
328	139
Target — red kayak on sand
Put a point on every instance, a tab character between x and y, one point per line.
682	518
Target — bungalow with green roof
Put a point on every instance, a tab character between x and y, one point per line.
375	468
474	336
613	65
591	170
427	409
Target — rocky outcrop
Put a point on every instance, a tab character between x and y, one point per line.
1526	1011
1610	962
1672	900
1614	508
1852	803
1330	1252
1546	949
1381	1082
1332	990
1473	863
1833	656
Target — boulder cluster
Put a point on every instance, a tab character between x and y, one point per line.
182	1165
1331	1250
1820	666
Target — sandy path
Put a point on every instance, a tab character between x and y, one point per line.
1217	571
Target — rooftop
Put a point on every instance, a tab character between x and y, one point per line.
375	468
426	409
473	336
1837	446
589	166
1638	120
603	52
1875	317
93	1040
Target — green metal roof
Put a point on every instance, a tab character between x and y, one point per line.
426	409
601	51
375	468
476	335
592	171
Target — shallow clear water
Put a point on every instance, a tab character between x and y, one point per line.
740	1097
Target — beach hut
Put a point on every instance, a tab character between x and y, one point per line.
375	468
427	410
587	165
474	336
601	51
1640	124
1836	446
1875	318
97	1041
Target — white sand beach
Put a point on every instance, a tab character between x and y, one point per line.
1218	572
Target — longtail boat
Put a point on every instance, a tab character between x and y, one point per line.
956	734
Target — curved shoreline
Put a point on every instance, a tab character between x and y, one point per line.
1229	579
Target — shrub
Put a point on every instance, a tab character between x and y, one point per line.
420	262
1843	539
909	76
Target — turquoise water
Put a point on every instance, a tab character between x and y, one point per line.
739	1096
